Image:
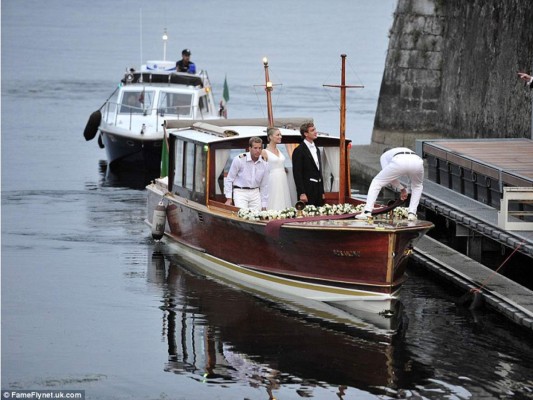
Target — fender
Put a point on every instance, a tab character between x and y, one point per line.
91	129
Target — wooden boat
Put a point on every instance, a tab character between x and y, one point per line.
130	121
321	254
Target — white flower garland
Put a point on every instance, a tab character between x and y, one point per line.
311	211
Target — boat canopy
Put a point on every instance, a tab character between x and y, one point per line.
201	154
179	78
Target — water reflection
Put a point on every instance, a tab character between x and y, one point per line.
125	177
222	335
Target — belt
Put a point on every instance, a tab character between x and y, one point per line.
403	152
245	188
315	180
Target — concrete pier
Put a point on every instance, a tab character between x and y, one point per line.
501	294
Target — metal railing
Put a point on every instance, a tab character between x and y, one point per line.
112	111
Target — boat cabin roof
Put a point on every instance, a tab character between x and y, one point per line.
164	72
234	132
176	78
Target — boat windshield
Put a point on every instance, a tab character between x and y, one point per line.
136	102
175	103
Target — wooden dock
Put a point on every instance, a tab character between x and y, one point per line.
464	184
479	168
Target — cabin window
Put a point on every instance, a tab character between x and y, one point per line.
221	159
175	104
189	165
199	170
190	170
331	168
204	104
178	176
136	102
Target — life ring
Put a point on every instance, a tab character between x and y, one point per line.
91	129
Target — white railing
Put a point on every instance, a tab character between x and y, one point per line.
110	113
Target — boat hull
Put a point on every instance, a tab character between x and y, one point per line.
347	263
202	264
128	151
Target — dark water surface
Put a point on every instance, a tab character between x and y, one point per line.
90	302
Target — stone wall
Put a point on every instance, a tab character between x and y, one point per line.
451	71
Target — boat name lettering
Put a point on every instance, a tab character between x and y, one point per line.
346	253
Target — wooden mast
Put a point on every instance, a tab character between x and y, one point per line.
343	170
268	89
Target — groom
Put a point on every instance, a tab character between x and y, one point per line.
307	168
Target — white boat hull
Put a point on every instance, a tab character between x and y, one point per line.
132	149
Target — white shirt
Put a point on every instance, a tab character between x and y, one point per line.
313	150
245	172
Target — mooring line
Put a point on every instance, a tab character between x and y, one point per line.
483	284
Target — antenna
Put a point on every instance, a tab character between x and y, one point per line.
141	33
165	38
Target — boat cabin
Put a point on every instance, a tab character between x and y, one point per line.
200	157
168	103
157	92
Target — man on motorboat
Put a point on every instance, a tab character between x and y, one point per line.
185	64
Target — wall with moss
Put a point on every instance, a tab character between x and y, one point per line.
451	71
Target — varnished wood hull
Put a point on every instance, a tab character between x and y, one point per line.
343	261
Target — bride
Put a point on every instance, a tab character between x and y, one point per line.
279	196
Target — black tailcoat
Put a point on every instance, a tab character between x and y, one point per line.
307	177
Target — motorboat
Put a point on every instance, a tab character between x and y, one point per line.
318	253
130	122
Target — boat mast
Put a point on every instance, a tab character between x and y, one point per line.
268	89
165	38
343	176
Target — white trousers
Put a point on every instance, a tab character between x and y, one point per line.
409	165
247	198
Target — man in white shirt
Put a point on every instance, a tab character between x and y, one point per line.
247	180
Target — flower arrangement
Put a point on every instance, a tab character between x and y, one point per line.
311	211
401	212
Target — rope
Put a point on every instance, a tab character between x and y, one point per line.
484	283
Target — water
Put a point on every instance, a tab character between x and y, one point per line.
88	302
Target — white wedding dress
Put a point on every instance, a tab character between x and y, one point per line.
279	196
